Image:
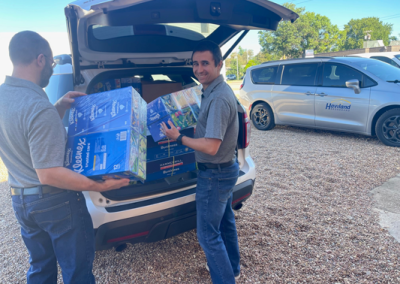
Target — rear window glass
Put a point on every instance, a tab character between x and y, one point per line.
336	75
385	59
299	74
189	31
265	75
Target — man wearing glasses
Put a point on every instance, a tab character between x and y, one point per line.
47	198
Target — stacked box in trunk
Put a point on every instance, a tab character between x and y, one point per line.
107	135
167	158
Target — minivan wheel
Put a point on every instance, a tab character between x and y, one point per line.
387	128
263	117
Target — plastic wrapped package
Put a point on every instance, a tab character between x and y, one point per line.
107	135
106	111
106	154
172	107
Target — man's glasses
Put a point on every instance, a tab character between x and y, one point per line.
52	64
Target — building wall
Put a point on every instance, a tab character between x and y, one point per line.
360	50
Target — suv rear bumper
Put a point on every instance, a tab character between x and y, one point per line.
159	225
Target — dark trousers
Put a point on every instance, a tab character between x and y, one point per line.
56	227
216	228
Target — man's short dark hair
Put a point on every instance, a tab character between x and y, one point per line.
208	45
26	46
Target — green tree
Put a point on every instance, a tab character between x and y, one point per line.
357	29
309	31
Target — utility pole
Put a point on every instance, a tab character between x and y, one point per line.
237	66
367	37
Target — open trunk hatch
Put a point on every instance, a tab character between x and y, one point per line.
160	32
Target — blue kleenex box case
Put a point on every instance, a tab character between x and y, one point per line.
117	153
108	135
167	167
107	111
165	149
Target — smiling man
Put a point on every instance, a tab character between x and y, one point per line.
215	143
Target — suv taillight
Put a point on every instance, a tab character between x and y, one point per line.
246	130
241	86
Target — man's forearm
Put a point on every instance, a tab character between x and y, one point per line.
204	145
66	179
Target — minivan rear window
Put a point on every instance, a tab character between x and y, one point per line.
264	75
189	31
299	74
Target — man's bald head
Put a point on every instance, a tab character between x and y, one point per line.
26	46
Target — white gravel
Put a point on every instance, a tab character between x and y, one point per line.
310	220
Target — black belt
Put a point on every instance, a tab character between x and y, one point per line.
35	190
205	166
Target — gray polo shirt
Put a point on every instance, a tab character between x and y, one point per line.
32	135
218	119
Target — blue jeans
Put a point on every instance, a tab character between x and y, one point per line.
216	228
56	227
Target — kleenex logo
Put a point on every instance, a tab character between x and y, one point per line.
113	109
78	155
68	157
71	116
92	112
154	116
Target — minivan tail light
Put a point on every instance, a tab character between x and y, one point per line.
241	86
246	130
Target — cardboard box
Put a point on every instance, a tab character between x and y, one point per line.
174	107
117	154
167	148
107	111
107	135
163	168
153	90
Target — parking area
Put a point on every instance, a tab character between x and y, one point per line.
310	220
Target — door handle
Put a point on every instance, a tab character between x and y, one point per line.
310	94
322	95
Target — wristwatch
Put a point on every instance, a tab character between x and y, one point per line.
179	139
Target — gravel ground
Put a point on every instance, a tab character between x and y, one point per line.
310	220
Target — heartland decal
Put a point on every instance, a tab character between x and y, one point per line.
339	105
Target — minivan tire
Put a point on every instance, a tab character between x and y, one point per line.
387	128
263	117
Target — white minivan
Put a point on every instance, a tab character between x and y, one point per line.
153	40
392	58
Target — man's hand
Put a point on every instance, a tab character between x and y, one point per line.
110	184
66	100
172	133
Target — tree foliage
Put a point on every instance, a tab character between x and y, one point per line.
356	30
309	31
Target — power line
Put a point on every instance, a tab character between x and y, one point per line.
389	16
303	2
395	17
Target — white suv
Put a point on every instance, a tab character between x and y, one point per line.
154	40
